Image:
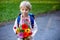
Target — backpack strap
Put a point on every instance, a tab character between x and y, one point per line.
32	15
31	19
18	20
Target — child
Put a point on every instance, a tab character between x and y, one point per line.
25	7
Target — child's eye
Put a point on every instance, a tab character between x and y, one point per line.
26	9
22	9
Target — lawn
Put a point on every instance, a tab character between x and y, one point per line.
9	9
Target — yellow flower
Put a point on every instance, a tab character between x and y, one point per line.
17	30
27	30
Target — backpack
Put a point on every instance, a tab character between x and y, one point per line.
31	19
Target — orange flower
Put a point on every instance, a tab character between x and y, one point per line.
28	30
27	33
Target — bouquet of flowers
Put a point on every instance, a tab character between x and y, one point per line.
24	31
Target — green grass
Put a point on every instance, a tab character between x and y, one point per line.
41	8
9	9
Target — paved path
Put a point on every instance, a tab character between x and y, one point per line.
48	28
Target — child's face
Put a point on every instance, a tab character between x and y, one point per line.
24	10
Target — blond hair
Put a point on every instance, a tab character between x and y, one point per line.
26	3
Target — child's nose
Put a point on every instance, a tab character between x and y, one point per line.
24	10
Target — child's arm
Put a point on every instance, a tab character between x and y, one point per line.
35	29
15	26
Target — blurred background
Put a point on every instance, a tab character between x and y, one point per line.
9	9
47	18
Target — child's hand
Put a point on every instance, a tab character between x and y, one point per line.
33	34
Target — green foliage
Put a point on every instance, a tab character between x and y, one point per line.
9	9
